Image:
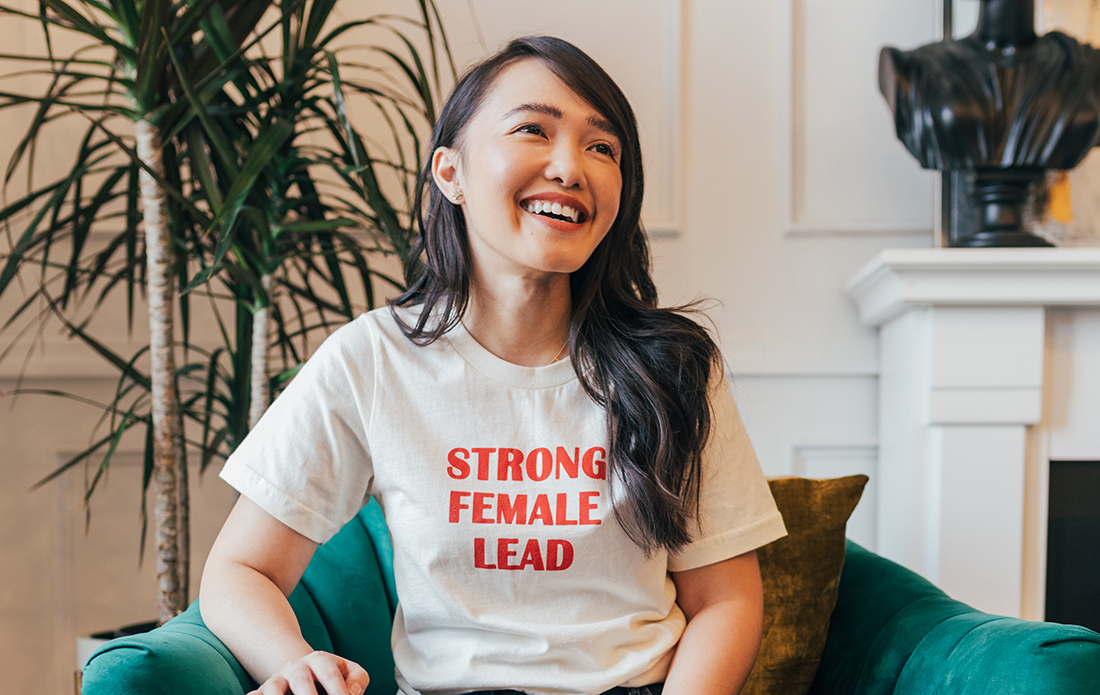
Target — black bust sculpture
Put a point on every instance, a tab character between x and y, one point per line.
1003	102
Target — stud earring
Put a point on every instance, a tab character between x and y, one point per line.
456	195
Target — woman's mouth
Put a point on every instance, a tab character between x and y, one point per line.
555	211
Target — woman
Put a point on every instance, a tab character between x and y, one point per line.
547	445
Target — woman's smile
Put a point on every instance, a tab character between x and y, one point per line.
565	210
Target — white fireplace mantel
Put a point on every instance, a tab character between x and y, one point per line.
898	280
963	342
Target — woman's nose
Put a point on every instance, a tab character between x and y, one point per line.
566	165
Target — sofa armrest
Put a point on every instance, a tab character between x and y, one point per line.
344	604
182	657
894	632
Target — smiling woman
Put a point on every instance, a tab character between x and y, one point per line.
570	493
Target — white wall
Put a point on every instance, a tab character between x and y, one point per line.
792	180
773	177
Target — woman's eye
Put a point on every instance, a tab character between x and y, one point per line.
604	148
530	128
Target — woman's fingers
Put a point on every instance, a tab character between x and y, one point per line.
336	675
302	681
276	685
329	671
340	676
356	678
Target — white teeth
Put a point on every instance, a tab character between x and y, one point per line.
541	206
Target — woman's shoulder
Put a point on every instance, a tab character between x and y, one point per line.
381	331
356	338
390	324
376	324
352	351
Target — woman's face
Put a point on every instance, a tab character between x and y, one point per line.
539	172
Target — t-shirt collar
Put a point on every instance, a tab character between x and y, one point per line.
549	376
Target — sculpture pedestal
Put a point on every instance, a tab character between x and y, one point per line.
962	354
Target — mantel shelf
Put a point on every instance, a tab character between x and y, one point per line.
898	280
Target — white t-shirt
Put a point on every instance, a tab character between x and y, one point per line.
511	568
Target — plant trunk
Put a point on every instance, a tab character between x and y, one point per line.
183	516
167	438
260	391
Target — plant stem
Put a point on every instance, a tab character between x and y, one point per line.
260	321
166	435
183	518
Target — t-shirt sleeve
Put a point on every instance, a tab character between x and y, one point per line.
307	461
736	510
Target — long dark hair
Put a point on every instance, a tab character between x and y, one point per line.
649	368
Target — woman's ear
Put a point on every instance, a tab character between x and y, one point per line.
445	172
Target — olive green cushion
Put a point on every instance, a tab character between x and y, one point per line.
801	574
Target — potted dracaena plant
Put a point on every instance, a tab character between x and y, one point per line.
210	169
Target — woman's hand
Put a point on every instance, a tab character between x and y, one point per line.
336	675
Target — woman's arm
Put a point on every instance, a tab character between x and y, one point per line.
724	605
254	565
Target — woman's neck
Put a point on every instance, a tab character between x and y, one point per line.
525	323
1006	24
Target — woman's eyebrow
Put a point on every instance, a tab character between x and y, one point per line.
554	112
536	107
602	124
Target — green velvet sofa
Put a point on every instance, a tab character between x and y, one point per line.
891	632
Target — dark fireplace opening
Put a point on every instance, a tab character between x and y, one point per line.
1073	544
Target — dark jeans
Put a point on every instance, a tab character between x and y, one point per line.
652	689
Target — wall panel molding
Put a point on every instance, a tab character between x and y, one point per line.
808	359
666	220
806	130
